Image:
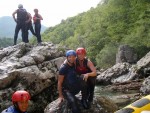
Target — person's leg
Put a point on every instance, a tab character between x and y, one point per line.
25	32
90	87
72	101
31	29
83	87
18	27
37	32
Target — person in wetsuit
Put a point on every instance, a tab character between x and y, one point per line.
21	23
85	68
37	25
20	102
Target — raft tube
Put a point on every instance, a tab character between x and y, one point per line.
139	106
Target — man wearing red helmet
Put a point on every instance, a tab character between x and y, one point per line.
20	102
86	68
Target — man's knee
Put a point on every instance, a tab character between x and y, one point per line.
70	97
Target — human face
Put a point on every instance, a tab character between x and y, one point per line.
81	56
71	58
36	11
23	105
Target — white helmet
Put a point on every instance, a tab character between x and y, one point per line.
20	6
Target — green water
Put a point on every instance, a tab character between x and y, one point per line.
101	90
121	98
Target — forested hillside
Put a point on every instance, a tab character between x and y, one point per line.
102	29
5	42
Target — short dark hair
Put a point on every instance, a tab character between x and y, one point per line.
35	10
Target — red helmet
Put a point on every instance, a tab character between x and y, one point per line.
80	51
20	95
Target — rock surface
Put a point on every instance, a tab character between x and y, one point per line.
35	69
126	54
123	72
145	89
31	68
99	105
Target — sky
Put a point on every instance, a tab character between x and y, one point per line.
52	11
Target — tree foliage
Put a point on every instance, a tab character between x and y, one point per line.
4	42
102	29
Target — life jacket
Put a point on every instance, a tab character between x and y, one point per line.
36	20
82	69
11	109
21	15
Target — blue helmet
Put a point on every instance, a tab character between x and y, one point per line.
70	52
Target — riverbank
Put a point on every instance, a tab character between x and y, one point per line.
122	94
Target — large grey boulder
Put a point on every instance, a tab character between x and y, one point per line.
126	54
100	105
31	68
123	72
145	89
114	74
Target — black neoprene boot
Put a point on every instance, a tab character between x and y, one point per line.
85	104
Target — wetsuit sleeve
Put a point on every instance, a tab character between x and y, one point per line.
63	70
5	111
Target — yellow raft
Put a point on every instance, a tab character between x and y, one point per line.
138	106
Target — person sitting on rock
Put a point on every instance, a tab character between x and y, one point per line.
85	68
70	84
20	102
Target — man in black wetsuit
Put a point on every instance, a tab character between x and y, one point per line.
21	23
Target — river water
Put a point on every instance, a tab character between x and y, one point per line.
122	99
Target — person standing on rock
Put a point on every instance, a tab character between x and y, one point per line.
85	68
21	23
69	84
37	25
20	102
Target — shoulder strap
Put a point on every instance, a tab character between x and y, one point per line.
85	62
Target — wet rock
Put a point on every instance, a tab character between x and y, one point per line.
99	105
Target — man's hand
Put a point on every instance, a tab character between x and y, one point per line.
85	77
60	99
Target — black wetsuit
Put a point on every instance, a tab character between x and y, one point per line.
37	28
72	85
90	81
21	24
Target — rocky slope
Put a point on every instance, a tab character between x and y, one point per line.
31	68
